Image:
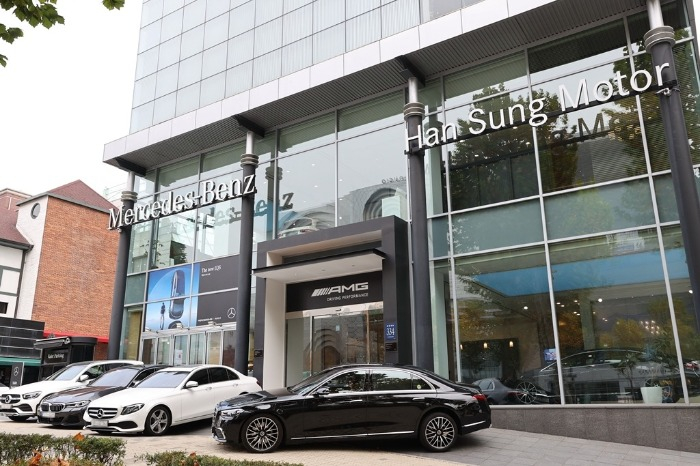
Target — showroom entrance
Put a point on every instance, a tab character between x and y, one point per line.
323	338
330	297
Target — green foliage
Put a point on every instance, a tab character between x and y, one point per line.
35	13
179	458
79	450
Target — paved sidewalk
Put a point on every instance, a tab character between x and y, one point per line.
491	447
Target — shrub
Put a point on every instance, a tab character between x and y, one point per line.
36	450
180	458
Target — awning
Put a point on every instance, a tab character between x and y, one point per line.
26	361
369	260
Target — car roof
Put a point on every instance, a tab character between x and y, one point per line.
190	368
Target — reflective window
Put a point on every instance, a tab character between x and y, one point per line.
380	192
169	52
498	227
328	13
308	191
149	37
399	15
174	235
363	30
242	19
214	357
686	321
192	42
213	89
140	246
135	289
218	228
297	55
268	10
179	350
306	135
435	8
297	25
148	354
267	67
268	37
506	74
187	99
171	25
178	174
684	57
163	354
131	330
214	60
609	294
375	114
239	78
564	56
595	210
197	348
216	31
504	326
240	49
666	197
329	43
164	108
194	14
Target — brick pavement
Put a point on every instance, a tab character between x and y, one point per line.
491	447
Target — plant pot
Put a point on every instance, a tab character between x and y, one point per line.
651	394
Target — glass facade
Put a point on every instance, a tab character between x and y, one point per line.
556	256
194	53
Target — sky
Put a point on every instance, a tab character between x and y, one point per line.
65	93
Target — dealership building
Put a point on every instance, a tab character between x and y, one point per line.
494	189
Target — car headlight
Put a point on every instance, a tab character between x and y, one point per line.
31	395
131	408
231	413
77	404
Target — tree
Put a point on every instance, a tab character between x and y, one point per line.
36	12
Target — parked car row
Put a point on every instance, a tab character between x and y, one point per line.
353	401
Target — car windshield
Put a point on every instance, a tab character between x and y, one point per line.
309	383
164	379
68	373
116	378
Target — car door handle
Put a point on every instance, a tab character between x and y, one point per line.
419	398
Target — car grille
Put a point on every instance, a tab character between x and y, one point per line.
102	413
10	398
55	407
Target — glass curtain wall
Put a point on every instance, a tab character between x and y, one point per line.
558	267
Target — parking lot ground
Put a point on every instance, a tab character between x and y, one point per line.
490	447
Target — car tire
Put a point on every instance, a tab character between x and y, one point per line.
158	421
438	432
262	434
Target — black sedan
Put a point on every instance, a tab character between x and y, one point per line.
351	402
66	408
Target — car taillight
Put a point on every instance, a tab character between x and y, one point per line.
480	397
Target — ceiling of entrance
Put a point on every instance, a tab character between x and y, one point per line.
337	266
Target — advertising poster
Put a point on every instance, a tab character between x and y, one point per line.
168	296
215	275
219	308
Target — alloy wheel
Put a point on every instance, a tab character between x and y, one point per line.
440	432
262	434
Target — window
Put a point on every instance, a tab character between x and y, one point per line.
353	381
391	380
201	377
218	374
3	308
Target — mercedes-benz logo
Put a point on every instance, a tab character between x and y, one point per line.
231	313
15	371
5	399
100	413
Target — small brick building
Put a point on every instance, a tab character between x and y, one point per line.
67	271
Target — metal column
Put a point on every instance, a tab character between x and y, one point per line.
659	43
413	115
117	316
249	162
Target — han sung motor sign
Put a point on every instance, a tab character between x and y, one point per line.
586	93
211	193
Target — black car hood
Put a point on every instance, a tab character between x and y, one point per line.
82	393
277	394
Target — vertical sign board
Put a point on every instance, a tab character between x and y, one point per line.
17	374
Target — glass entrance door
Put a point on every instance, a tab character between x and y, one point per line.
323	338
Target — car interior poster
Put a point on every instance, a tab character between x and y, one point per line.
174	299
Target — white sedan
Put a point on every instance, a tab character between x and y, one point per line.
20	403
171	396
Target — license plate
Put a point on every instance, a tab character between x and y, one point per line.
48	414
99	422
4	406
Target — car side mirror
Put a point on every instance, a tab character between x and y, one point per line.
83	378
322	391
191	384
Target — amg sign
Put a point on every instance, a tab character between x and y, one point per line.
332	292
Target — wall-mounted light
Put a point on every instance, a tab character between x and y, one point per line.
486	345
511	344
